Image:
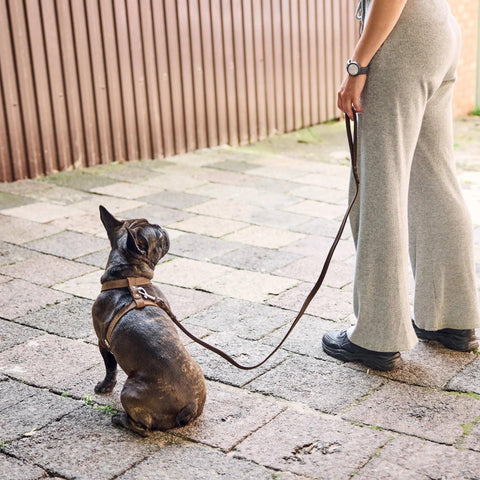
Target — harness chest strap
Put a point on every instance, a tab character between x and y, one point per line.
133	284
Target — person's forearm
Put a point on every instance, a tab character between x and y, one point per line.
383	16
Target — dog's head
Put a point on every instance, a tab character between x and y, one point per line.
137	239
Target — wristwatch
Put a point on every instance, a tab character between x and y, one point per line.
354	68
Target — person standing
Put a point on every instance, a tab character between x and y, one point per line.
399	84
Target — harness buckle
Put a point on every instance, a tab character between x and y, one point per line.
144	294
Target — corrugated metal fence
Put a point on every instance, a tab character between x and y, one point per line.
84	82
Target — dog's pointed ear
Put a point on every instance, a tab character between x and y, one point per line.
109	222
134	242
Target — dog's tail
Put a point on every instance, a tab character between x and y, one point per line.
186	414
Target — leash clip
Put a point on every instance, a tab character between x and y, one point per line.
145	295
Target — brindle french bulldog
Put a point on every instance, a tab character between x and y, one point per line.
165	387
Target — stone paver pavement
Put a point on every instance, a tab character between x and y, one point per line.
250	227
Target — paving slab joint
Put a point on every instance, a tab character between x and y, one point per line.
475	355
473	395
266	371
375	454
255	430
130	467
48	473
362	399
467	430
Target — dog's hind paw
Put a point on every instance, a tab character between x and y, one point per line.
186	414
123	420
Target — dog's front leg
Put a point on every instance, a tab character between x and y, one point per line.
107	384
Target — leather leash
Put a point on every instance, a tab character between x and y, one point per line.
141	298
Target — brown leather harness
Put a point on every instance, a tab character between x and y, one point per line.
141	299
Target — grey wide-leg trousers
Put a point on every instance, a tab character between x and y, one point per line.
410	200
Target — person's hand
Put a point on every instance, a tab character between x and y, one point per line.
349	94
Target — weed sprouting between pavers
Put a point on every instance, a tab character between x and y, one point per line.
110	409
468	427
473	395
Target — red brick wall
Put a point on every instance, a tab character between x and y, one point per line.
466	12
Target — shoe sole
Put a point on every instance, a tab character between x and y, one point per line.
450	341
377	362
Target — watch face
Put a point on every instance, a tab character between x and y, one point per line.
353	69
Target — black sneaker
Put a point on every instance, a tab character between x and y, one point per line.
460	340
337	345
